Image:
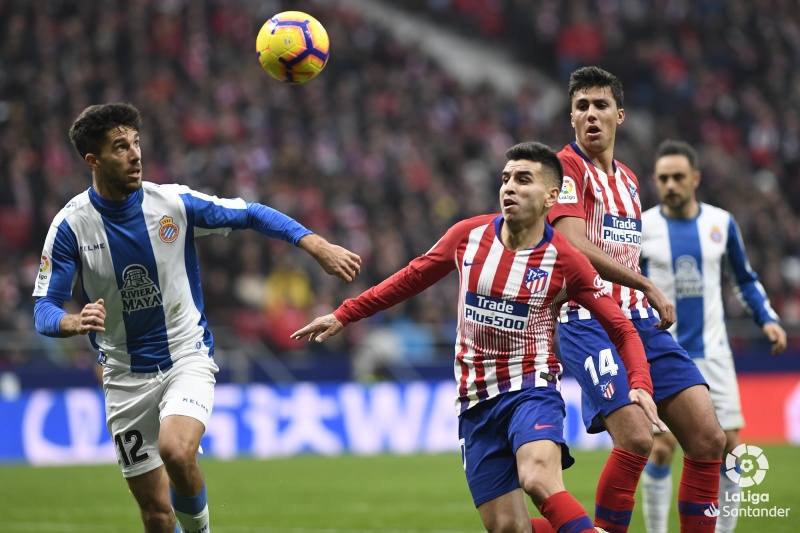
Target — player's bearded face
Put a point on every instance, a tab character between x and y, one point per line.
120	163
676	180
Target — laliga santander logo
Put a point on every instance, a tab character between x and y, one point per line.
754	465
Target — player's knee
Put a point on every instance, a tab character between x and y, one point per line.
638	441
731	442
158	517
706	443
539	483
717	444
176	453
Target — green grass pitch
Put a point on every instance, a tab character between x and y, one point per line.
387	494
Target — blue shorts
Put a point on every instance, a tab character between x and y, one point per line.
604	382
492	431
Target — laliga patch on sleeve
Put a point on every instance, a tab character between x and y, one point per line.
568	194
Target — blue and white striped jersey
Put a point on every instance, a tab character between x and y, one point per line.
686	260
139	256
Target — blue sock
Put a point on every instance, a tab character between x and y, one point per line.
657	472
191	511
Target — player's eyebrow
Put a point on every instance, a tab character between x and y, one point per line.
526	172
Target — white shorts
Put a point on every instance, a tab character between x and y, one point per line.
721	377
724	389
136	404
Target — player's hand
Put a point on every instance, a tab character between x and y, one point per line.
643	399
776	335
320	329
662	304
92	318
335	260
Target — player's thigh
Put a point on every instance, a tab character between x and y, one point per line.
630	429
539	465
186	404
691	418
180	436
492	432
592	359
671	368
720	374
132	419
486	452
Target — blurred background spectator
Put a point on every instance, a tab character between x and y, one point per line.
387	148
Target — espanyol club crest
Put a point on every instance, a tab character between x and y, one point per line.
535	280
716	234
168	231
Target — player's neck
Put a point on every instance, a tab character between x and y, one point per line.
109	193
603	159
523	237
686	211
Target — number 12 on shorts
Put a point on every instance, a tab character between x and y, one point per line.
607	365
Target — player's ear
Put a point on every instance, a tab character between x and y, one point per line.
91	160
571	120
552	197
698	177
620	116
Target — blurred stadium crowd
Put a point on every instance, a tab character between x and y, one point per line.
385	150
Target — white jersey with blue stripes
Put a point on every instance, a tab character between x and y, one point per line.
686	258
139	256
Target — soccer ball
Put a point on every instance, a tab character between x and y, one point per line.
293	47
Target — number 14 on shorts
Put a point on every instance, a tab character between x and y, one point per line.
606	364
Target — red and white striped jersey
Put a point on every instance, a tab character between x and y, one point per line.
507	308
612	209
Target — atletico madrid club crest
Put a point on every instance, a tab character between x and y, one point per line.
535	280
608	389
168	231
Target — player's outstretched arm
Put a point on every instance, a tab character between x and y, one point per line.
335	260
643	399
319	329
91	318
776	335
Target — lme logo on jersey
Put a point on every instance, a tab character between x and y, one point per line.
138	290
168	231
496	312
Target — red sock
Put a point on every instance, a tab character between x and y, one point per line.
565	514
615	490
697	495
541	525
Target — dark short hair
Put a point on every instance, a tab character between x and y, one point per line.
88	132
588	77
673	147
538	153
